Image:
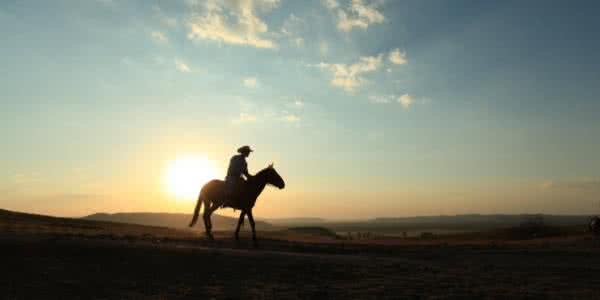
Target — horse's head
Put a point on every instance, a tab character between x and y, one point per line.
273	177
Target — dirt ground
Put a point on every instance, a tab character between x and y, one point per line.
108	261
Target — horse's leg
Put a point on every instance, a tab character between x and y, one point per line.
207	223
240	222
211	210
251	219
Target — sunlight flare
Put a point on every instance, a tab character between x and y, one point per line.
185	176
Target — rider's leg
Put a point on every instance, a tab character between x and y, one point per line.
229	188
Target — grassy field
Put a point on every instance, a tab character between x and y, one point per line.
45	257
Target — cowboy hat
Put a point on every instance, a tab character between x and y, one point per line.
244	149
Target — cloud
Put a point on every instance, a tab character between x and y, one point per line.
291	118
358	14
127	61
331	4
295	103
164	19
299	42
233	22
291	28
159	37
245	118
381	99
267	5
351	77
396	57
250	82
182	66
323	48
406	101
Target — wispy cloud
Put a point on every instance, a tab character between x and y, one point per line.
182	66
358	13
396	57
295	103
406	101
159	37
245	118
299	42
291	118
323	48
331	4
250	112
291	29
163	18
233	22
267	5
127	61
350	77
250	82
376	99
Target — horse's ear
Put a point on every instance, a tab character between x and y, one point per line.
271	166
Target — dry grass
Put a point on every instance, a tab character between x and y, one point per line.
45	257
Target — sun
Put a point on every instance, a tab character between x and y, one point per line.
185	175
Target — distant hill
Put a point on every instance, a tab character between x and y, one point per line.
173	220
456	223
295	221
25	223
491	220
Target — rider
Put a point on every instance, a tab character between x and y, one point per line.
237	167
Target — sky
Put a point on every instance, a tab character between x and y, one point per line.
367	108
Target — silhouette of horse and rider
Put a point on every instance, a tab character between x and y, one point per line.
235	192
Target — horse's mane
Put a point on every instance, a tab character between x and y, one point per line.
261	172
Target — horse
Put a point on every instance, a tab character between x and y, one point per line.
212	195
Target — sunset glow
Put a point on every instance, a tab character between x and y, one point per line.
185	176
376	108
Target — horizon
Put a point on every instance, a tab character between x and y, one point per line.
325	219
369	109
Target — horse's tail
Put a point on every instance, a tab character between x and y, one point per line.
197	210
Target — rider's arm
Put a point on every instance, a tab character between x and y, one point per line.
245	172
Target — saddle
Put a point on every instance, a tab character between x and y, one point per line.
233	193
